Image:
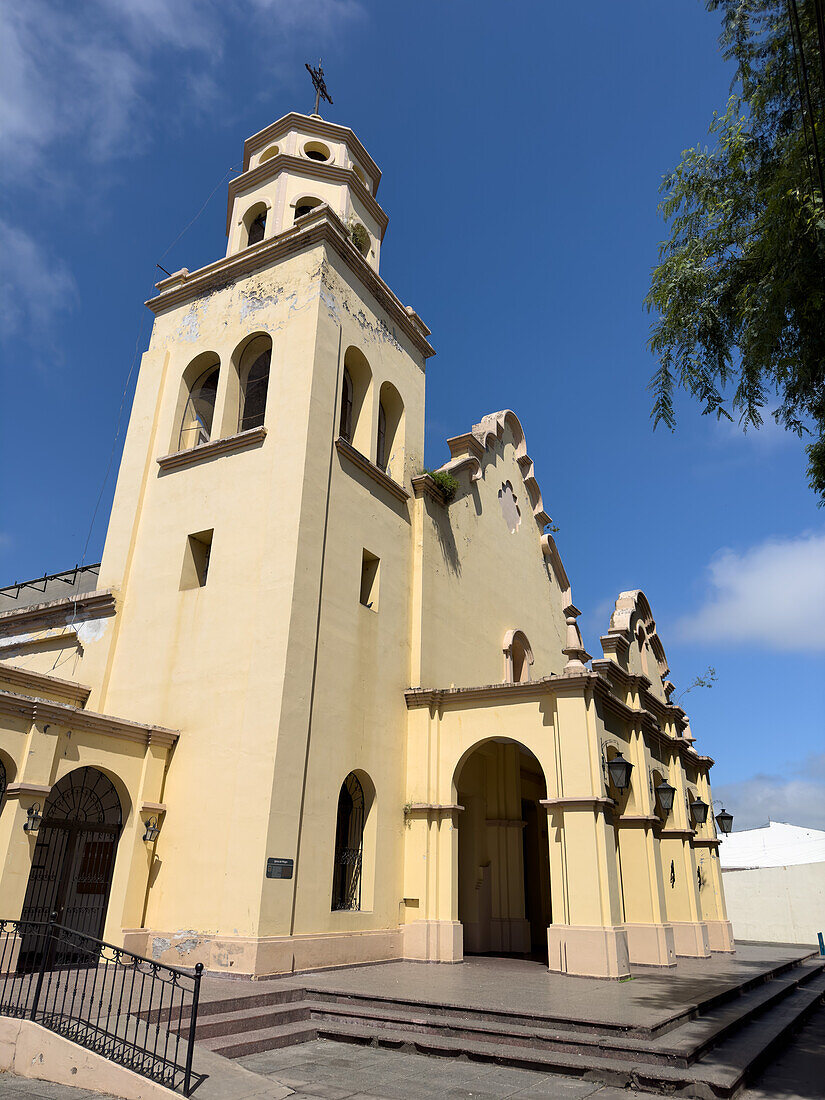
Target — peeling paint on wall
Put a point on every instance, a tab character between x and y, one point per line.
91	631
160	945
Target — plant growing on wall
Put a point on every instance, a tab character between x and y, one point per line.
359	236
445	482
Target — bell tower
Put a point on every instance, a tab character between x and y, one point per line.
261	545
296	165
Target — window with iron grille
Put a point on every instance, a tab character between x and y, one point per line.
349	846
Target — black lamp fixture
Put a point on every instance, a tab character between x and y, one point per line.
152	830
33	819
725	821
665	794
619	771
699	809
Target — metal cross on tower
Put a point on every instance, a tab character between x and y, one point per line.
319	85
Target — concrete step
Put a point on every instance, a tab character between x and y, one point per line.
679	1048
694	1038
244	1002
721	1074
252	1042
728	1068
731	993
239	1022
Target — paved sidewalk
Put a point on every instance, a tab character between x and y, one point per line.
326	1070
332	1071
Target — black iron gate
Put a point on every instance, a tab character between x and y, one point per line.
73	863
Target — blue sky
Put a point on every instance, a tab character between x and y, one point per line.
522	147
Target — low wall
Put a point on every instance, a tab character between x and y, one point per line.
777	904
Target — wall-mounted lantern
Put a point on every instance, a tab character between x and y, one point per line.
699	809
33	819
725	821
619	771
665	795
152	831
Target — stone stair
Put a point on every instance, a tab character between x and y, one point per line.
711	1050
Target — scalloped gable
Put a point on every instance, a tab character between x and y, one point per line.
632	611
467	451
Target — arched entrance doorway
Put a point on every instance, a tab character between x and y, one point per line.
74	858
503	858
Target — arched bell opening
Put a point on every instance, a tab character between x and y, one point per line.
503	854
73	860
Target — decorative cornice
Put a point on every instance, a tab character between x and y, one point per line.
14	790
646	821
322	225
311	125
706	842
153	807
62	714
45	615
677	834
466	442
285	162
43	685
424	486
432	808
437	698
214	449
578	802
346	450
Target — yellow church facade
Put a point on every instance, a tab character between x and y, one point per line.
318	706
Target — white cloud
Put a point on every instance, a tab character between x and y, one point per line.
797	798
33	286
79	74
771	595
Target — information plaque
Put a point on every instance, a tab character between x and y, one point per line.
279	868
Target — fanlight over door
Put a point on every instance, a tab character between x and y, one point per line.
74	859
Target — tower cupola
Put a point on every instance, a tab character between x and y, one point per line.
292	167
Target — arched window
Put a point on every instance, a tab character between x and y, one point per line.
356	393
381	446
389	451
345	427
305	206
256	229
4	782
253	228
349	845
253	373
196	426
518	657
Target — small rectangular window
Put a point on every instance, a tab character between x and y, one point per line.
369	580
196	560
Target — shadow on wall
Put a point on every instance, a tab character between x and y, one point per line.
446	539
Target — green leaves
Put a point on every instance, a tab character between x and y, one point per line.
739	289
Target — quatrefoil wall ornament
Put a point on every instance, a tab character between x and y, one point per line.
509	507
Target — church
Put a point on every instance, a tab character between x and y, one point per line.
319	706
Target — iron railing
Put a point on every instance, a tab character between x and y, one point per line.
130	1009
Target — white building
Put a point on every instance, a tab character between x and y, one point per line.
775	883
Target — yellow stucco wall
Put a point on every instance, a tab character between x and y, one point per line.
278	682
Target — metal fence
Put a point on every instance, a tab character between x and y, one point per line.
127	1008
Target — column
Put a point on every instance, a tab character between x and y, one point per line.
649	934
690	934
430	926
711	891
587	935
